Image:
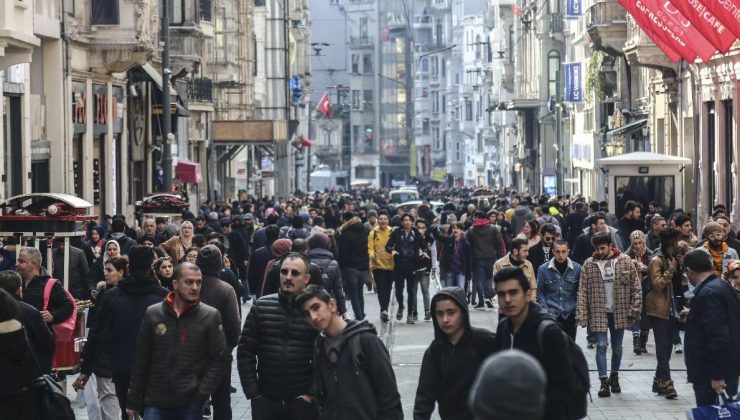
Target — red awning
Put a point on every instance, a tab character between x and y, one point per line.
188	172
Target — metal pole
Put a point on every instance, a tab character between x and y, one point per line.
558	152
166	119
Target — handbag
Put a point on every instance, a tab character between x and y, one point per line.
726	408
63	331
51	400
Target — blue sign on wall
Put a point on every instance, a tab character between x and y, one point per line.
573	87
574	9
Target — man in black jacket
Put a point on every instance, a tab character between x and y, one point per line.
519	330
38	332
354	261
352	368
452	360
34	276
405	244
121	314
487	247
319	255
712	331
181	353
542	252
275	350
79	286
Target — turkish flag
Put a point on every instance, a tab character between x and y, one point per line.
705	21
727	11
656	36
516	10
324	105
677	30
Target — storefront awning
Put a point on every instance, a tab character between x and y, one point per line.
628	128
253	132
188	172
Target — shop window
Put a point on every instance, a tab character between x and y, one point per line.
644	189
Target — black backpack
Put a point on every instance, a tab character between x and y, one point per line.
576	358
52	402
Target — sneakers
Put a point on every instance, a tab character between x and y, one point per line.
416	316
479	307
636	343
669	391
489	304
427	316
678	348
590	345
410	319
384	316
614	383
604	390
399	314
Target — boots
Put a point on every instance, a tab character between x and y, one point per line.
643	341
668	390
658	386
636	343
614	382
604	390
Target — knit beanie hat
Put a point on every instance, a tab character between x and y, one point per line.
209	260
712	227
281	247
509	386
319	240
638	235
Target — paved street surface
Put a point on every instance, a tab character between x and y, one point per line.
407	344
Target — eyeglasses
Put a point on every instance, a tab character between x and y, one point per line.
293	272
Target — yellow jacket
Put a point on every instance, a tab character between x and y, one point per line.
380	259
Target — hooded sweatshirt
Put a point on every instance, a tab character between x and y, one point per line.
447	370
354	377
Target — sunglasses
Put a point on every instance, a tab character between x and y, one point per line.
293	272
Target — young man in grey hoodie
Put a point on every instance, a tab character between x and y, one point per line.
353	375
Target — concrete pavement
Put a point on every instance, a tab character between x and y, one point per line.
407	343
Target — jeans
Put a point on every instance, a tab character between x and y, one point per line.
221	397
403	272
354	281
295	409
121	382
455	279
421	277
483	276
617	336
663	334
568	325
384	284
109	408
192	411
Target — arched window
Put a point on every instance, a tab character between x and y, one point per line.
553	74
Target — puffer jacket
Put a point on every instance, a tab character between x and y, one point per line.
353	245
275	350
332	275
358	386
60	306
178	358
448	371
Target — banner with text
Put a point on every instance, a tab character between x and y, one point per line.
573	82
574	9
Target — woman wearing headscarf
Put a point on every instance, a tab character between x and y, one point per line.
163	270
176	246
640	255
271	282
97	273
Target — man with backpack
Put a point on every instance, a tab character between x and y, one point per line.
527	327
452	359
352	368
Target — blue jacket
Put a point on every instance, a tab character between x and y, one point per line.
713	332
556	293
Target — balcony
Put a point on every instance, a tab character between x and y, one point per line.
423	22
553	24
17	39
186	48
363	41
200	89
118	39
606	23
640	50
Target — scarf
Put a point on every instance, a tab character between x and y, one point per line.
105	250
481	222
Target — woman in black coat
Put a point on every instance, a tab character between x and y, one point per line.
17	400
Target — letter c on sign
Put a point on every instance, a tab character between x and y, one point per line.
673	11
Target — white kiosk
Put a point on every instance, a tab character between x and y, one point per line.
644	177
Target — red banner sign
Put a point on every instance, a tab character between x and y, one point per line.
713	29
728	11
671	49
677	30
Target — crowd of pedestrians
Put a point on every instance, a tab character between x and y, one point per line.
168	301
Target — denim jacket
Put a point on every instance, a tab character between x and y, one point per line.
558	294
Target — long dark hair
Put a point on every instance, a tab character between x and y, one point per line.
9	308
